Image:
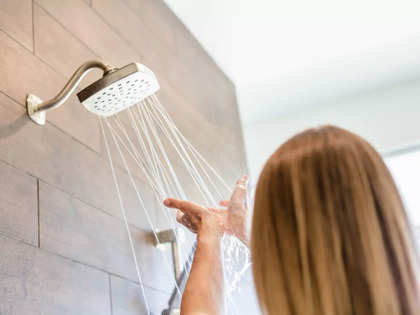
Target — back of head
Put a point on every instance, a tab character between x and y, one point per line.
330	234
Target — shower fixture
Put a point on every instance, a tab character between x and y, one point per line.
118	89
169	237
150	138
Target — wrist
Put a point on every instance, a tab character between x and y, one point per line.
210	237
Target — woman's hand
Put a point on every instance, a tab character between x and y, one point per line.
213	223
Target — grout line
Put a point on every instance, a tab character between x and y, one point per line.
38	213
103	211
52	124
169	82
72	194
18	239
67	30
109	273
118	33
186	30
128	40
110	294
136	283
40	59
16	41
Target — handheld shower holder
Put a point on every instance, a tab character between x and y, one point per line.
170	237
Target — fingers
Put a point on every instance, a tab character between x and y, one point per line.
187	207
179	216
189	214
189	222
240	191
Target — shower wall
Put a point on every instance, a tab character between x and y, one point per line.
63	248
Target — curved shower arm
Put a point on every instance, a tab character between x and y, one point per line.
37	108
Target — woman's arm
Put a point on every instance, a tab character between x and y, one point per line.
204	294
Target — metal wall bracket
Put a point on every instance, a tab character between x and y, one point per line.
36	108
32	102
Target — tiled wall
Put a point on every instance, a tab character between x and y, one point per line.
63	247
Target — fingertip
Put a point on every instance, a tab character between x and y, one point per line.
167	202
242	180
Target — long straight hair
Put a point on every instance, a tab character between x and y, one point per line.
330	235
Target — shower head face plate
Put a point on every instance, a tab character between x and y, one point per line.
119	90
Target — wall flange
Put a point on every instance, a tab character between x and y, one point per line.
32	102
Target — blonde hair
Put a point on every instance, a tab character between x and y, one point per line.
330	234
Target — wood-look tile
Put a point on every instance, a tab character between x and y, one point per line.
155	53
73	229
23	73
216	143
158	19
127	298
217	135
80	212
60	49
56	158
31	75
18	205
81	20
16	20
35	282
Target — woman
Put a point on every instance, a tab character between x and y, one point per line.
329	234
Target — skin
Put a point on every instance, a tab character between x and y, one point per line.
203	294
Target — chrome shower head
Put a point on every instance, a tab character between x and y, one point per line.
119	89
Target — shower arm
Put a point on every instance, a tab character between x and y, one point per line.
37	108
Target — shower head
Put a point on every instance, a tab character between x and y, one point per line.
118	89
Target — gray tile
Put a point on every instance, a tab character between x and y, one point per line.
59	48
73	229
16	20
81	20
128	299
58	159
18	205
159	20
155	52
35	282
24	73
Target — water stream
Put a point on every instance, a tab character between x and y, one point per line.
148	142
